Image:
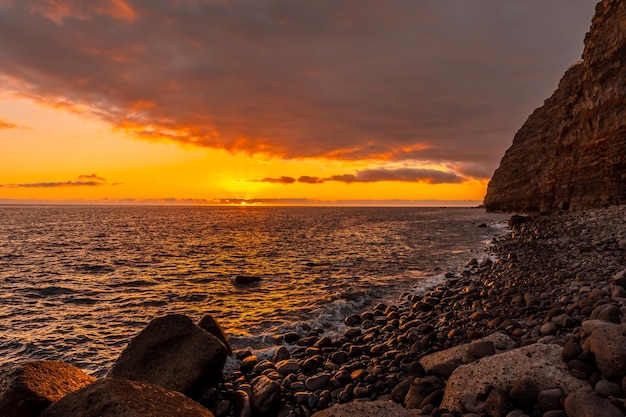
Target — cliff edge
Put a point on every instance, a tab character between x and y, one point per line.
571	152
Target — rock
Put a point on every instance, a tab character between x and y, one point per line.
481	349
246	279
365	409
174	353
571	351
548	328
516	221
400	391
607	312
288	366
498	403
265	395
586	404
590	325
608	344
499	341
241	403
540	363
563	321
208	324
619	279
524	392
28	388
550	399
607	389
118	397
317	382
571	154
281	354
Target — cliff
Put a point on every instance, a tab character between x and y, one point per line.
571	152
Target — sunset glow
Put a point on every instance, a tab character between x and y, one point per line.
202	102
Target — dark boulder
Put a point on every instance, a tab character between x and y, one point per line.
208	323
609	347
118	397
174	353
26	389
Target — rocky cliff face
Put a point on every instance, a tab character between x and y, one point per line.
571	152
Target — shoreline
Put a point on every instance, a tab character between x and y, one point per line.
551	278
553	269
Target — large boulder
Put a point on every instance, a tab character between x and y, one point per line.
365	409
28	388
608	344
209	324
118	397
538	362
500	342
174	353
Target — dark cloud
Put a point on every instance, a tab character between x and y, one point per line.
91	180
310	180
281	180
441	82
429	176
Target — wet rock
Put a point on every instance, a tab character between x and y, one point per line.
265	395
281	354
317	382
248	363
288	366
540	363
118	397
586	404
609	347
174	353
208	324
241	403
28	388
246	279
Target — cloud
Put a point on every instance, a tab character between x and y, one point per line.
429	176
91	180
310	180
440	82
281	180
6	125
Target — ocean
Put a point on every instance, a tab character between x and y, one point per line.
78	282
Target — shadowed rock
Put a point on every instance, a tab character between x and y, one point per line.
117	397
174	353
540	363
28	388
609	347
587	404
208	323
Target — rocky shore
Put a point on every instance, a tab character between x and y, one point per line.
537	329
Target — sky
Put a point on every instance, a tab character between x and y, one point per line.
400	102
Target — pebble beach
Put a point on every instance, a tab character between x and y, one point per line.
552	281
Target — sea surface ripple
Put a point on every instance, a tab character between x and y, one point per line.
77	282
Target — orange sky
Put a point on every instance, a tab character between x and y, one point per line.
292	103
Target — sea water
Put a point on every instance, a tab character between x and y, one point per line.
78	282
